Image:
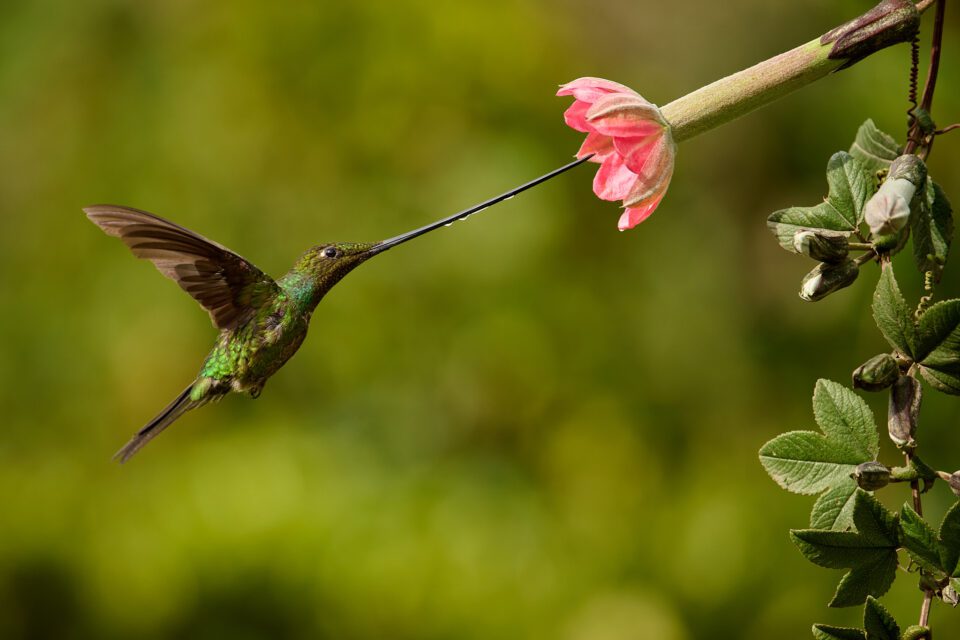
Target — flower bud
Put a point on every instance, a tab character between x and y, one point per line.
902	412
888	211
827	278
871	476
877	373
821	245
952	479
949	596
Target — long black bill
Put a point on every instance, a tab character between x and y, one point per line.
410	235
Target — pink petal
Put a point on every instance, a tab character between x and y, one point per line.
599	145
654	175
636	150
613	180
592	89
635	215
576	116
621	115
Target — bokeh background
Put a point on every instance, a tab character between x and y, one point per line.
528	425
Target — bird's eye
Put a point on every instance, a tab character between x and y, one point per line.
330	252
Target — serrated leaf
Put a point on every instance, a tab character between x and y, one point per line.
786	222
851	185
920	540
874	148
949	535
938	336
834	508
891	313
845	417
870	552
942	381
807	462
932	231
878	622
828	632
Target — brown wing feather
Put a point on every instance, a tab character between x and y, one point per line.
225	284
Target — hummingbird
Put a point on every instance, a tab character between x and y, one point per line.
262	321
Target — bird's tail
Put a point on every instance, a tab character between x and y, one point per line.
180	405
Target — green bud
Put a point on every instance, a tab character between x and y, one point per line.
827	278
903	410
871	476
877	373
821	244
916	632
908	167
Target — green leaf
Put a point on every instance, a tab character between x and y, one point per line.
851	185
844	416
807	462
949	535
891	313
878	622
786	222
945	382
938	336
834	509
870	552
920	540
874	148
827	632
931	228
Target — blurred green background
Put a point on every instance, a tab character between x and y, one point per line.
528	425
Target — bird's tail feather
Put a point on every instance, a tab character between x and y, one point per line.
180	405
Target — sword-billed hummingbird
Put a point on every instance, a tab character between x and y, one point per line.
262	321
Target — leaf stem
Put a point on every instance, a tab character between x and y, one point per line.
925	608
865	258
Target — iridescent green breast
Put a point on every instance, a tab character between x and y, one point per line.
246	356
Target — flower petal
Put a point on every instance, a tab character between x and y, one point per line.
654	176
592	89
636	150
635	215
576	116
613	180
599	145
621	115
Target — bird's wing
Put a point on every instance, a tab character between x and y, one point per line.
226	285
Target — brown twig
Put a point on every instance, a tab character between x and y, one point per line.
916	137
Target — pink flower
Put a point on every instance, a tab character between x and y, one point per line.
629	138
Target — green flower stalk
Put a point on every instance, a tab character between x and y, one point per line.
890	22
634	141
